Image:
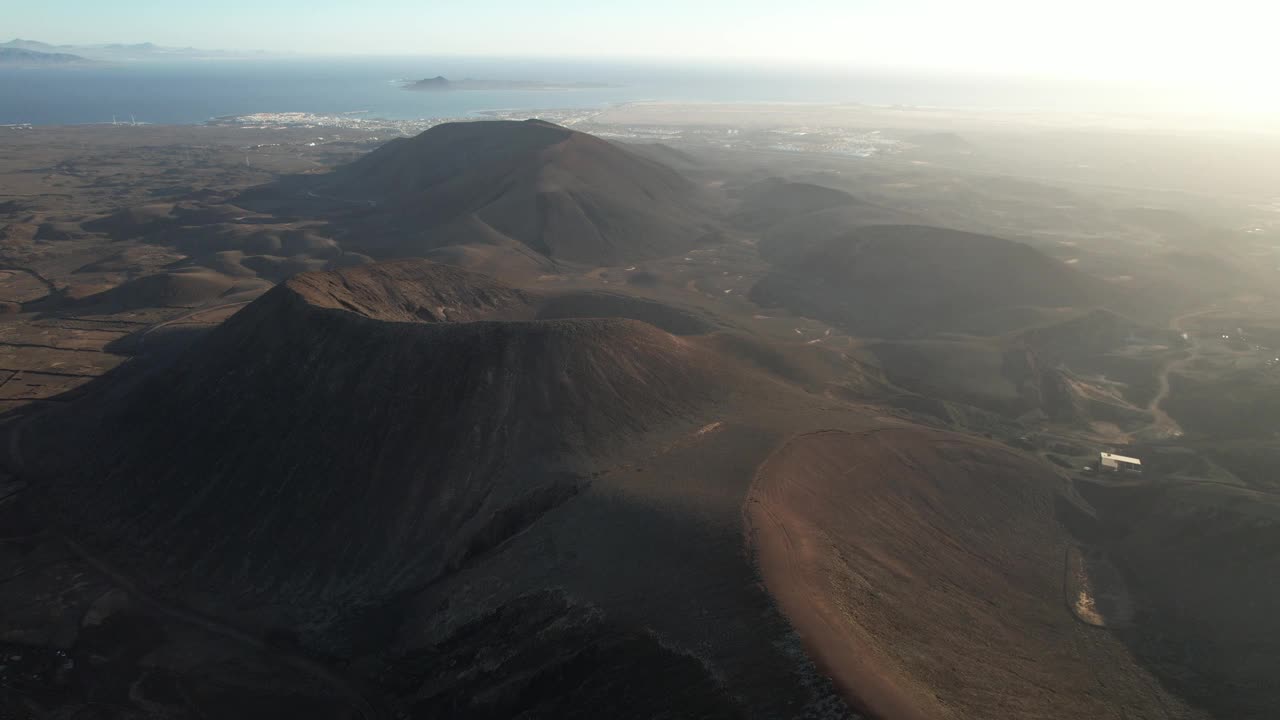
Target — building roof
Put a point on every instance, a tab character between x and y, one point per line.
1121	458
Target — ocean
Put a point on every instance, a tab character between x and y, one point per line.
196	91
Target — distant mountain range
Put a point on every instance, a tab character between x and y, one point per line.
10	56
107	52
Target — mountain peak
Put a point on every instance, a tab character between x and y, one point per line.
563	194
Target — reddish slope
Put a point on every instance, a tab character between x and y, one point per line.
924	572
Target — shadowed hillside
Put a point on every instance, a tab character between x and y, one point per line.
405	408
774	200
901	279
1202	561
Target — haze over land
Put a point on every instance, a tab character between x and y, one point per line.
531	394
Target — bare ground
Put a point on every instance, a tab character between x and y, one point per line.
924	572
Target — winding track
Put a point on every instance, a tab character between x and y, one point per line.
182	318
48	284
1162	422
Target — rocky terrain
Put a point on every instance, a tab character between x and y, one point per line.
506	420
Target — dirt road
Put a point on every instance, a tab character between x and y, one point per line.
183	318
48	284
1162	424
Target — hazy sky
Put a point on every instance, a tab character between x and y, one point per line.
1228	41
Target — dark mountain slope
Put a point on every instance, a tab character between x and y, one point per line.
1201	560
399	407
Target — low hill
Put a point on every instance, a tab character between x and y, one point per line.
1094	333
773	200
565	195
185	287
797	233
906	279
986	374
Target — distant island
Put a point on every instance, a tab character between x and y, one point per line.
10	56
441	83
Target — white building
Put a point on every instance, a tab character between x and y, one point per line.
1116	463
